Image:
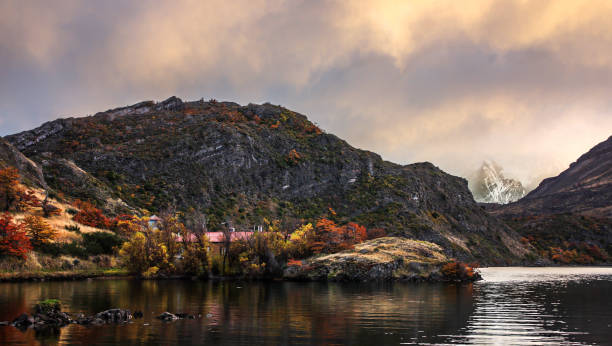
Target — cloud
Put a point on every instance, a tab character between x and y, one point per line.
525	83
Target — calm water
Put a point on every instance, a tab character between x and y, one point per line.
511	306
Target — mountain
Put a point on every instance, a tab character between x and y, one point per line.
568	218
256	162
584	188
489	185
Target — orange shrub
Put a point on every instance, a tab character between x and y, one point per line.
458	271
294	263
330	238
12	195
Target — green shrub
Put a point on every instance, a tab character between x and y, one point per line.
73	249
73	228
101	243
53	249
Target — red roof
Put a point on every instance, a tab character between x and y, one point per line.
217	237
191	238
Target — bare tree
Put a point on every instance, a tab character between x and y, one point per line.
227	242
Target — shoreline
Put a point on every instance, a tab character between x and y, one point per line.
6	277
123	274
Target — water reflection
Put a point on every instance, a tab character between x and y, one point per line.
507	308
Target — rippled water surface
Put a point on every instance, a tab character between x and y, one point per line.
511	306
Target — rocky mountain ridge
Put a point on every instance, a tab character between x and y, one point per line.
584	188
247	163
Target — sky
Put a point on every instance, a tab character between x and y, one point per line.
523	83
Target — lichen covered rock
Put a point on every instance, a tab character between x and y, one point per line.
388	258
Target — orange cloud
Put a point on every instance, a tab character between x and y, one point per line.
525	83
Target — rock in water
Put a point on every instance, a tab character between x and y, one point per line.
166	316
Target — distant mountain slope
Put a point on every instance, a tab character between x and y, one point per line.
489	185
585	187
247	163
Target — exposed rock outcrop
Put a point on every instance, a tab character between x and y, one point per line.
381	259
30	172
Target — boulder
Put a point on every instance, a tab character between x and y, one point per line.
166	316
114	316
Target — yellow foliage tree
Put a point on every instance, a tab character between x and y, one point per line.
133	253
196	256
39	230
300	241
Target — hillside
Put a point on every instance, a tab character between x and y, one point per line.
584	188
246	163
568	218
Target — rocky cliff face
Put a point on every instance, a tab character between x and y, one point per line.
30	172
489	185
246	163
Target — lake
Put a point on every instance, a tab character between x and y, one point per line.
510	306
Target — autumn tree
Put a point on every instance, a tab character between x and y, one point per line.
9	181
134	254
127	225
169	229
144	254
196	255
355	233
261	253
39	231
13	239
195	222
90	215
13	196
226	244
300	241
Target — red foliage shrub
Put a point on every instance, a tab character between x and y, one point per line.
294	262
13	239
330	238
458	271
293	157
90	215
596	253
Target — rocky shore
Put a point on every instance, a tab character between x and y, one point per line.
383	259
